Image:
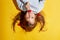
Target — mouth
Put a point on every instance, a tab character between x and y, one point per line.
30	25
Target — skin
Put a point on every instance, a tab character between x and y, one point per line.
30	17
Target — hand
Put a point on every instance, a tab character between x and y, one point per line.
27	6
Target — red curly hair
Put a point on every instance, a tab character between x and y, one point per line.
24	23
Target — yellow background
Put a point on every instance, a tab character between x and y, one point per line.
52	17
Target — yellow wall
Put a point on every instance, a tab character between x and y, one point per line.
52	17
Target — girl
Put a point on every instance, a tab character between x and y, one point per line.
29	15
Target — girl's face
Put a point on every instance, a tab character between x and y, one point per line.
30	17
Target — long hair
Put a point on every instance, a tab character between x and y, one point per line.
24	23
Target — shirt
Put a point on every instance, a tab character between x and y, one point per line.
35	5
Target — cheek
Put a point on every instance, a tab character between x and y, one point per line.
32	21
27	19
